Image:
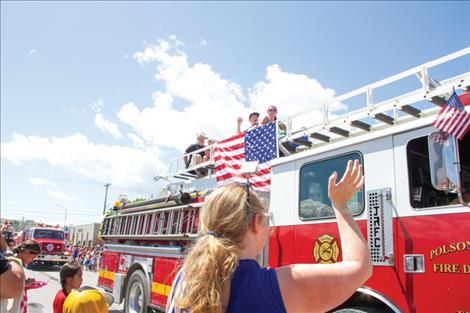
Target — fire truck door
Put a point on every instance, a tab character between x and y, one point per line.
316	233
433	237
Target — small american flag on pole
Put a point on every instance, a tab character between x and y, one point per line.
259	144
453	118
438	137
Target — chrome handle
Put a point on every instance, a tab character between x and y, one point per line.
413	263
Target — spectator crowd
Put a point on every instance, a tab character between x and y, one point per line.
71	298
88	256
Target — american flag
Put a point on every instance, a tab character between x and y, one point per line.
438	137
453	118
259	144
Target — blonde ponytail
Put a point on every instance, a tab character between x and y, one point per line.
208	267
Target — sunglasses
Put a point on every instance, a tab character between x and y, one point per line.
272	110
247	187
268	215
33	252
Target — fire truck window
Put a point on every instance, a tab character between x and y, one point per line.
314	201
464	157
48	233
422	192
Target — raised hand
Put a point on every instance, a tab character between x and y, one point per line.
352	180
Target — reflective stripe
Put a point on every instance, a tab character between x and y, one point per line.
106	274
161	289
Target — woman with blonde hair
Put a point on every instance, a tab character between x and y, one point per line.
220	273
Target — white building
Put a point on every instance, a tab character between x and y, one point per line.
85	235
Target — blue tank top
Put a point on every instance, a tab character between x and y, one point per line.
254	289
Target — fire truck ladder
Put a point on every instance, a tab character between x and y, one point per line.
374	116
395	111
178	222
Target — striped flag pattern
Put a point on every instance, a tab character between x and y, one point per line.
453	118
438	137
259	144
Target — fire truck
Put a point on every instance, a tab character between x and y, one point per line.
413	209
52	243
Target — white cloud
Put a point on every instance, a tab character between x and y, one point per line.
32	51
122	166
107	126
292	93
136	140
40	181
51	188
195	98
203	42
213	101
97	106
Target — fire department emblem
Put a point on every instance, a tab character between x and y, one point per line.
326	249
50	247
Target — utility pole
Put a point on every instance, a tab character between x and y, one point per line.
106	196
65	218
65	213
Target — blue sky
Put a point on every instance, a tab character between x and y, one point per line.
96	92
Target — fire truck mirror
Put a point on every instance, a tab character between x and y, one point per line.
443	162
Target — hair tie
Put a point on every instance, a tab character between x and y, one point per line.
213	233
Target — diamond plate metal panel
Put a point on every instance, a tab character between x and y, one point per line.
379	226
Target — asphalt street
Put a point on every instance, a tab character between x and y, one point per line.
40	300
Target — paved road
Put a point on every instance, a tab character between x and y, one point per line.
40	300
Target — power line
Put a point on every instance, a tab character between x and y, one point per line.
77	181
49	212
24	205
138	190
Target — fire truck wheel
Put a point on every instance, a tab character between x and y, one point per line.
136	299
361	309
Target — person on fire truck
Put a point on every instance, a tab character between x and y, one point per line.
198	157
271	117
221	274
252	118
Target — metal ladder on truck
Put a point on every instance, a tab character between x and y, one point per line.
178	222
373	116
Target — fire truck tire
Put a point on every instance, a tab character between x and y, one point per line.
136	297
358	309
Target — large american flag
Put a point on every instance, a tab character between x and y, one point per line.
259	144
453	118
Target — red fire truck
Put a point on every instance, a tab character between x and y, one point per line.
414	209
52	243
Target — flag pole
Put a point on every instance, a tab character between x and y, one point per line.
277	138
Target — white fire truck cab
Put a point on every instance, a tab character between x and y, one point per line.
413	209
